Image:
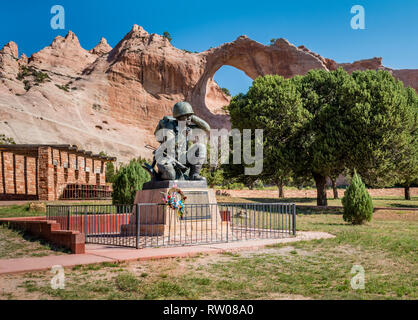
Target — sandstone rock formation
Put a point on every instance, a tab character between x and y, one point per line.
111	99
102	48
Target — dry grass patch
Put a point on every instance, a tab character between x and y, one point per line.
18	244
318	269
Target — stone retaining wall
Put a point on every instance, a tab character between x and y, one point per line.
48	230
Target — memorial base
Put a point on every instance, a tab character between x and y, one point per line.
201	218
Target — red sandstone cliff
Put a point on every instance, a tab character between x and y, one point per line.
111	99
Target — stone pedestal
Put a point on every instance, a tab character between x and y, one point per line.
201	218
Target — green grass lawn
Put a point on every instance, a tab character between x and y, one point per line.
18	211
386	202
386	248
23	209
17	244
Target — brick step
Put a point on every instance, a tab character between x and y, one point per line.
48	230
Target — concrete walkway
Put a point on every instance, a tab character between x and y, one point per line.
102	253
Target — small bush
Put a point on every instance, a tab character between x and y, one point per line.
110	172
27	85
167	35
128	181
40	77
259	185
127	282
358	205
236	186
64	87
226	91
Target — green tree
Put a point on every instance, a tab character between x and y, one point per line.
381	118
213	175
407	161
110	169
167	35
358	122
226	91
110	172
334	185
212	172
279	178
274	104
358	205
128	180
235	174
324	123
322	141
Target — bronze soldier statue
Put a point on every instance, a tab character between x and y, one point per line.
175	135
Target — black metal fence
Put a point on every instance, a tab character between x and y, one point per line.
155	225
86	192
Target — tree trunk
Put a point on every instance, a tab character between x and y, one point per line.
334	187
321	189
281	189
407	193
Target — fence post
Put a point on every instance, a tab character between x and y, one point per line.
85	224
227	223
138	213
47	212
68	218
294	219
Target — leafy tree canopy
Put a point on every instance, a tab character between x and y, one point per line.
128	180
326	122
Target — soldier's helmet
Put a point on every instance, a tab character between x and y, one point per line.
182	108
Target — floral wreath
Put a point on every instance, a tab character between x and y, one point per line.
172	201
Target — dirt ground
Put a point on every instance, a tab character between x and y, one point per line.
294	193
396	215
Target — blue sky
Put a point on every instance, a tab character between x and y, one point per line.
322	26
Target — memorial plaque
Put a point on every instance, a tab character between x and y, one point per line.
197	206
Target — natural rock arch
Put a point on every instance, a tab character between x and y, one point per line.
254	59
128	89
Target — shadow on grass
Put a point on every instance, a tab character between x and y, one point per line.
400	198
401	205
312	210
281	200
31	238
332	224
